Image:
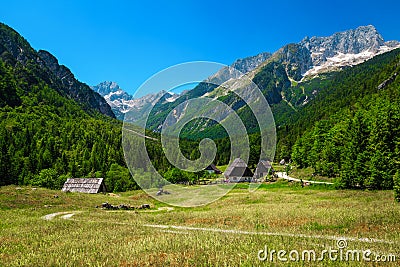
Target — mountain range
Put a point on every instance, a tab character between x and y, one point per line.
121	102
279	75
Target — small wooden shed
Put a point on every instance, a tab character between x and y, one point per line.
238	171
262	169
84	185
213	169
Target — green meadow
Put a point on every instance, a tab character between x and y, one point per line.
228	232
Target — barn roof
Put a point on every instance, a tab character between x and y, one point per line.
262	167
84	185
214	168
238	168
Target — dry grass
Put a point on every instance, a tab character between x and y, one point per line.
97	237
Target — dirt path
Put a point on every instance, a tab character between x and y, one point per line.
178	229
140	134
285	176
67	215
187	228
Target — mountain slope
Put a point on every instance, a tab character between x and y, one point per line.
121	102
282	76
49	128
351	130
160	108
340	91
316	57
16	51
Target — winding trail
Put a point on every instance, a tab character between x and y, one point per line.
286	177
68	214
173	228
178	229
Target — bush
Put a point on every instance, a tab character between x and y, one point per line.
47	178
119	179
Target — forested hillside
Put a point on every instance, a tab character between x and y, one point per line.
45	137
51	129
352	129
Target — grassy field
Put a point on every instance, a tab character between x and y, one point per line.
228	232
307	174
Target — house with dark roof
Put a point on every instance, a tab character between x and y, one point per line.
238	171
213	169
84	185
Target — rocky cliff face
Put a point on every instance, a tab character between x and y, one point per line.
346	48
247	64
296	59
14	49
347	42
240	66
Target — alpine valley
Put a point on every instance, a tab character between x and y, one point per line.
335	102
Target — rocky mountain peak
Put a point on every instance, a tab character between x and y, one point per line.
247	64
13	47
107	87
348	42
345	48
121	102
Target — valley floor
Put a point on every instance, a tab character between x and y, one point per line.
40	227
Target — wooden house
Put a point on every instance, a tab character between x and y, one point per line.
84	185
213	169
263	168
238	172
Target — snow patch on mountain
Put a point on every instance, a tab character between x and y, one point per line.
341	60
348	48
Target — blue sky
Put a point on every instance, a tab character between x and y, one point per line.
129	41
